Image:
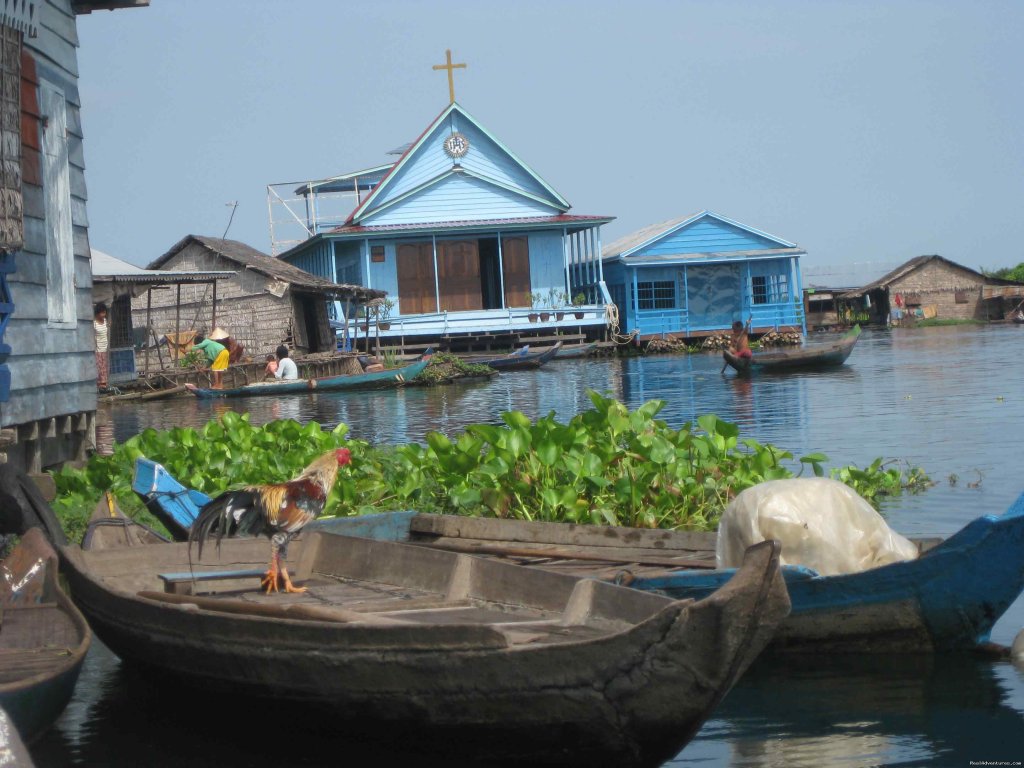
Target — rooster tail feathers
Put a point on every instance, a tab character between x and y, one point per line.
221	517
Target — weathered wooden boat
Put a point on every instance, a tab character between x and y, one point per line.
948	599
811	356
391	377
576	351
43	637
520	360
510	663
110	528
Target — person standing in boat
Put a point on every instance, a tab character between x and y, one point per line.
739	344
101	329
216	354
286	369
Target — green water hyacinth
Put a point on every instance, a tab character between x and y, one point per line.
608	466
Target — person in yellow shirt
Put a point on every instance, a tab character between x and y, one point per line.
217	355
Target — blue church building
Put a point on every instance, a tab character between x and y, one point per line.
695	275
463	236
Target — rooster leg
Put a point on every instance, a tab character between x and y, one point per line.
269	580
288	586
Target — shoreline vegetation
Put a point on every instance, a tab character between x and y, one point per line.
608	466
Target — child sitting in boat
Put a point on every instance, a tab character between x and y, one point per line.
739	344
270	372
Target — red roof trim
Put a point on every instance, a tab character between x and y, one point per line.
559	219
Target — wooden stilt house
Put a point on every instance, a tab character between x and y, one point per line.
266	302
47	361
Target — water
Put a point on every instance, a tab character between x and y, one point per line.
946	399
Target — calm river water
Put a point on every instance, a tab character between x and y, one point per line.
946	399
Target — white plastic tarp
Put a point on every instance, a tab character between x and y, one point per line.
821	523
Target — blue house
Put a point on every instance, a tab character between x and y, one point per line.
695	275
463	236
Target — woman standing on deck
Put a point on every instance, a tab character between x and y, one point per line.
101	329
216	354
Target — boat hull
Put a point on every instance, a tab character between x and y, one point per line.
518	361
393	377
43	646
631	697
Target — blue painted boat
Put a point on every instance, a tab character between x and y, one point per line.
947	599
392	377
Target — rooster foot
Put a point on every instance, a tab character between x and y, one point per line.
288	586
269	580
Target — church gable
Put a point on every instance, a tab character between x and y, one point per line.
708	233
428	161
457	197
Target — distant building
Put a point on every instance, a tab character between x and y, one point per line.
47	365
463	236
115	283
266	302
698	274
931	286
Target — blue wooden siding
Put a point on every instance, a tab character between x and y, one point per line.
349	263
317	259
459	198
485	157
709	235
694	298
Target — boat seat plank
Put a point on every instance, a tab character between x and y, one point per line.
21	663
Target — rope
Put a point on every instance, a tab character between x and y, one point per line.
611	319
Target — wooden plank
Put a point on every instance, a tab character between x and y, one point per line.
415	266
515	258
604	554
454	526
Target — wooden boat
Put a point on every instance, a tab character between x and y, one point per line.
392	377
511	664
110	528
520	360
576	351
811	356
948	599
43	637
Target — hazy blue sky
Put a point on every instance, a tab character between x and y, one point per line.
864	131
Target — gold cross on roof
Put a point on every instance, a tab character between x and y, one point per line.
450	67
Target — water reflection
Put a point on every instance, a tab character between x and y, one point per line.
865	711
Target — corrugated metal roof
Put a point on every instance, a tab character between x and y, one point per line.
250	258
107	268
682	258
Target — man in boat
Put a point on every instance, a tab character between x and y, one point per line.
286	369
739	344
216	354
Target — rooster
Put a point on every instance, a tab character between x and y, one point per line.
278	511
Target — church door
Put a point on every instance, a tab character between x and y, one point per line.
515	258
458	275
416	278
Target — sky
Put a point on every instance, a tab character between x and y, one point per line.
868	132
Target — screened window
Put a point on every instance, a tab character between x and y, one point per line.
656	295
769	289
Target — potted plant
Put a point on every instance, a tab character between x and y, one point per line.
361	318
578	301
535	300
384	310
557	299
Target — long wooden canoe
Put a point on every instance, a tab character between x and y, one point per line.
810	356
506	664
948	599
392	377
520	360
43	637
